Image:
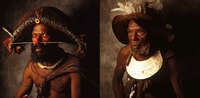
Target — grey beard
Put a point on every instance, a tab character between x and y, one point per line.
143	50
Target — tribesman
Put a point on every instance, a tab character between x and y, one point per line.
55	73
150	65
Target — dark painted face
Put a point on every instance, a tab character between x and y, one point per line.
41	50
39	36
136	35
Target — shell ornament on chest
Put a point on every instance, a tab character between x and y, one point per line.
145	69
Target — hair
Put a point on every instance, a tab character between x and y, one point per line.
49	53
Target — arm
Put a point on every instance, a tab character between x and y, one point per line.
75	85
119	70
174	76
26	85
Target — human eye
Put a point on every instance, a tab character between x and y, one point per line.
140	32
45	35
34	35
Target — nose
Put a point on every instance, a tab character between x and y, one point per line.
133	37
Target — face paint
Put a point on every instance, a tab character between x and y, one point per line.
40	34
136	35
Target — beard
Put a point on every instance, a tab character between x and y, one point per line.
143	49
48	53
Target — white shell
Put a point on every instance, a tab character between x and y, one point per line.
145	69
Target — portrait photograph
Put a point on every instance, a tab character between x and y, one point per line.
49	49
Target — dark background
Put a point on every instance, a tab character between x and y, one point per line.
184	16
85	17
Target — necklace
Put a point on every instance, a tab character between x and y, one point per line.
146	68
49	67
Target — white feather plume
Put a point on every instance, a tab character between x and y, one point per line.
137	6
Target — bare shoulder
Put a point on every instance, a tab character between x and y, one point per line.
125	50
122	57
28	70
28	67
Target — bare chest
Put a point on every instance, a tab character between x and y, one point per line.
57	84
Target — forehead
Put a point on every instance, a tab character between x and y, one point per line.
133	25
39	28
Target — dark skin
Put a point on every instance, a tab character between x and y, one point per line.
29	78
136	36
39	34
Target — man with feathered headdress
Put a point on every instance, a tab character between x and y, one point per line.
150	65
55	73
